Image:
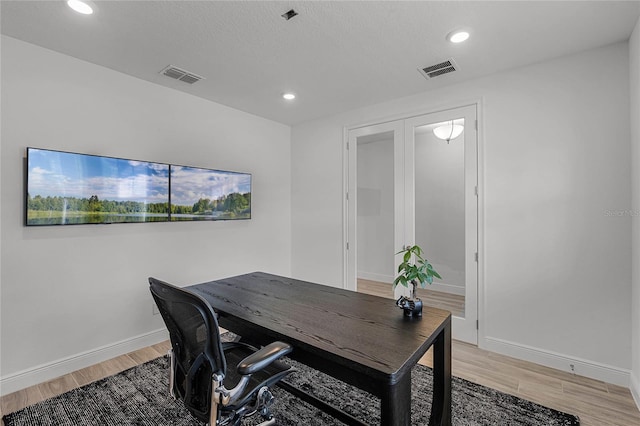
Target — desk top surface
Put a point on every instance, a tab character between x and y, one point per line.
354	329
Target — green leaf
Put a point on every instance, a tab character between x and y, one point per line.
400	280
417	271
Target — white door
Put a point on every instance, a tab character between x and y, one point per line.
431	202
375	201
441	179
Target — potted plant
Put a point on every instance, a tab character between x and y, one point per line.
414	269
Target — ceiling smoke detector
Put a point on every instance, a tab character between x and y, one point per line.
180	74
432	71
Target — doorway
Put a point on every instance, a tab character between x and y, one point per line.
414	181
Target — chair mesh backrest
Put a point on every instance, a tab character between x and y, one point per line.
195	340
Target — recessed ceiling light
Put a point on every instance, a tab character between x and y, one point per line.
80	7
289	96
458	36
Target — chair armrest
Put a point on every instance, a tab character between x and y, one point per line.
263	357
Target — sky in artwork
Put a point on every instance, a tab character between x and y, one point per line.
63	174
189	184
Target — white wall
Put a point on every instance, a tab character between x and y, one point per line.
376	211
75	295
555	154
634	57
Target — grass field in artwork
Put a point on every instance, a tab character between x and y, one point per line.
36	217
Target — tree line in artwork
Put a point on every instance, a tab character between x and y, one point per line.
92	205
233	203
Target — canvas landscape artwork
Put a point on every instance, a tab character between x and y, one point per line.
66	188
203	194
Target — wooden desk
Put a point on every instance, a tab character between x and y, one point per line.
360	339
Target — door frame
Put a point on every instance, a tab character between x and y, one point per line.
349	173
350	199
465	328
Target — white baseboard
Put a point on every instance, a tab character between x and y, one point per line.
447	288
635	388
582	367
42	373
441	287
372	276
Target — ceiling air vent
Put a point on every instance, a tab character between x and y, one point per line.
180	74
438	69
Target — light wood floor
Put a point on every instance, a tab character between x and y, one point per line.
595	402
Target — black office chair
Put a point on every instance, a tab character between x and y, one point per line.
198	372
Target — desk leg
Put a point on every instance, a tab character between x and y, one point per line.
441	406
395	404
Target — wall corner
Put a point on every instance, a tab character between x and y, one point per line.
634	65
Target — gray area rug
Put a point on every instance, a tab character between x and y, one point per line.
139	396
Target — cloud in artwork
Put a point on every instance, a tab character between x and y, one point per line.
62	174
189	184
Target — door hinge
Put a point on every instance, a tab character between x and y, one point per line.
476	256
476	124
477	324
347	246
476	191
347	195
347	146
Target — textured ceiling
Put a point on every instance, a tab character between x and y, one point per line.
335	56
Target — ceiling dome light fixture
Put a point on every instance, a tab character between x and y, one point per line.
289	96
458	36
448	131
80	7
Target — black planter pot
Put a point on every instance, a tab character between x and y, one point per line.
412	307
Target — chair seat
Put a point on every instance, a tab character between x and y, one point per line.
234	353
